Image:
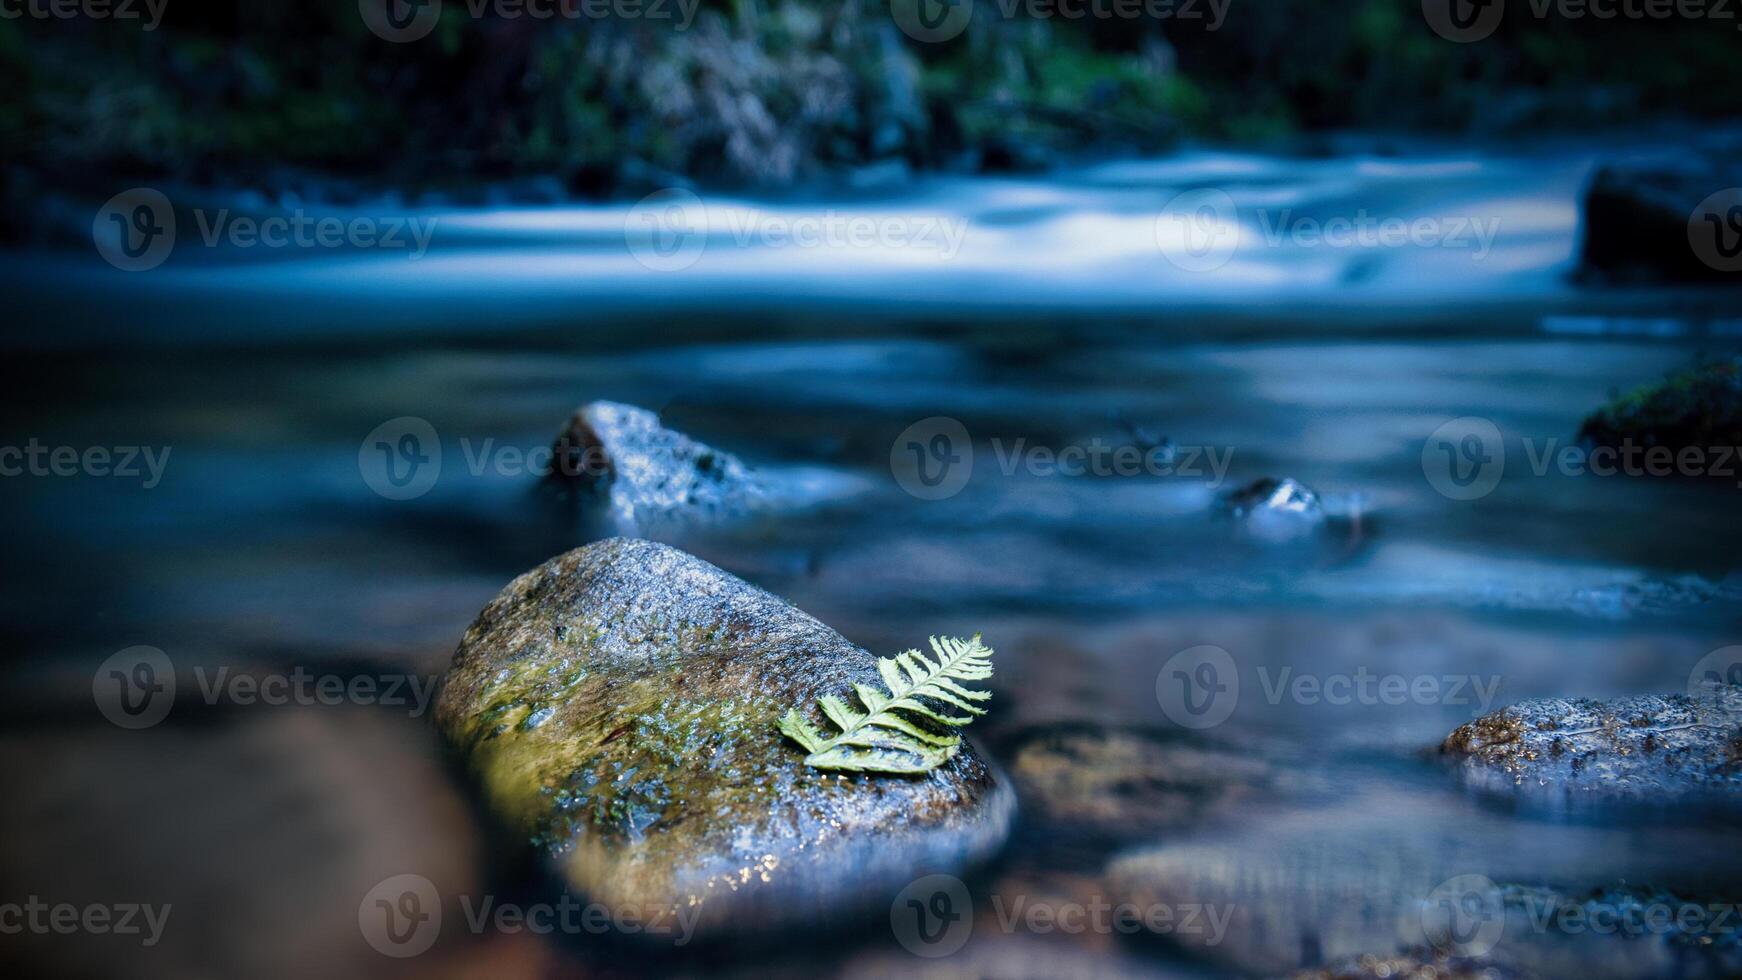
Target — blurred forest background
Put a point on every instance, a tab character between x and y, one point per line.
771	93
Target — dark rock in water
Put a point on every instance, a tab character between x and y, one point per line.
1658	596
1650	750
1640	219
990	953
1276	511
1378	875
1097	784
651	475
1699	408
1421	964
618	706
1619	931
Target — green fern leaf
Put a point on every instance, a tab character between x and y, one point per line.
902	730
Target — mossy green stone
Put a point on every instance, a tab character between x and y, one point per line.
618	708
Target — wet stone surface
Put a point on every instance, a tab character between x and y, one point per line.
650	476
1646	750
618	707
1098	785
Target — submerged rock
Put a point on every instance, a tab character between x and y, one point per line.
1649	750
1276	511
1380	876
618	706
1410	965
1097	785
1698	408
1637	219
651	475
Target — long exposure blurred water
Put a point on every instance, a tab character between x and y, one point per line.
1057	319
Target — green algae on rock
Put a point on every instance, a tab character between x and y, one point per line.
618	708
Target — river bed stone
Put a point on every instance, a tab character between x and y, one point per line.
1647	750
618	707
650	476
1372	875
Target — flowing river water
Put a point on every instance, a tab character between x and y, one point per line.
1046	316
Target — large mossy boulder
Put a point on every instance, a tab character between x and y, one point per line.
1700	408
618	707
